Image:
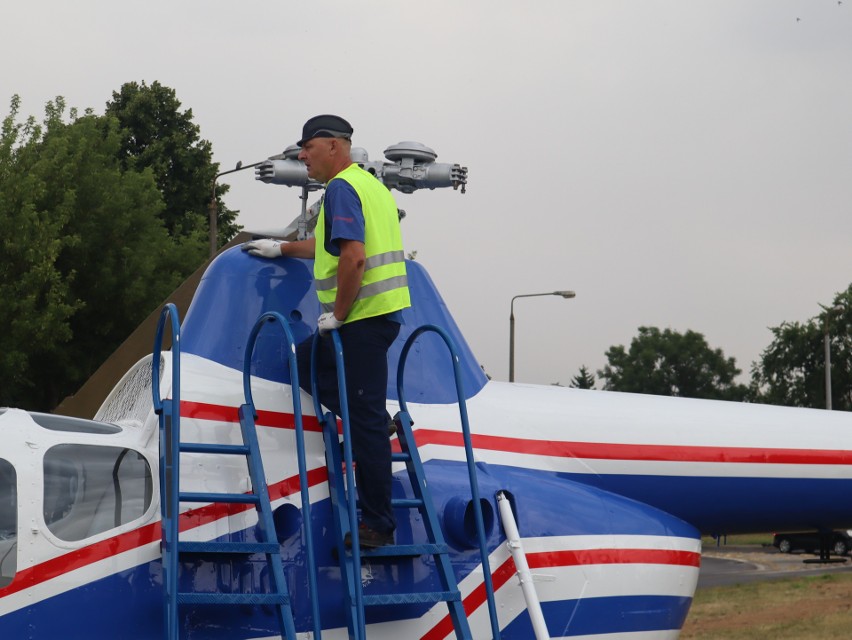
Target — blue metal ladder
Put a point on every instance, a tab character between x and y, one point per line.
171	447
344	506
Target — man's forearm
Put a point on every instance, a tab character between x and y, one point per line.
350	271
348	284
299	248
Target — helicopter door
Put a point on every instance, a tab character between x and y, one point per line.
8	522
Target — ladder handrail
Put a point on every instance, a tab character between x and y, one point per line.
273	316
169	311
169	464
359	623
468	447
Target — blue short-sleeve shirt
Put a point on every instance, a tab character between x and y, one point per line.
344	217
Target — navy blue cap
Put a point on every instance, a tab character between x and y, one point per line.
325	126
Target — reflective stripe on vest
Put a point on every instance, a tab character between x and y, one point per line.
389	257
384	284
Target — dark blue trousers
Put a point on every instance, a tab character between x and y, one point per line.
365	348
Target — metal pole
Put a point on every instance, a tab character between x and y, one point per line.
512	341
525	577
827	343
827	369
213	213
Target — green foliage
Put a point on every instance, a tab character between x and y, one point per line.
86	255
584	379
669	363
157	135
37	297
791	370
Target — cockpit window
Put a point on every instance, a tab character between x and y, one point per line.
56	422
8	523
90	489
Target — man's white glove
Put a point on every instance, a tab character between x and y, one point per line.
327	322
265	248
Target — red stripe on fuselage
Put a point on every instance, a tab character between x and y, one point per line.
277	419
553	559
78	558
559	448
590	450
637	452
147	534
613	556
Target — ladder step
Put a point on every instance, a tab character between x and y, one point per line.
228	547
228	449
407	503
411	598
403	503
392	550
400	457
241	498
232	598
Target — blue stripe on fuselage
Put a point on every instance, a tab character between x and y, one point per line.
589	616
718	505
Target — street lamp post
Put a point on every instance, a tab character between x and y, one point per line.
827	343
563	294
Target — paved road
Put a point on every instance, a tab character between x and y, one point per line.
740	564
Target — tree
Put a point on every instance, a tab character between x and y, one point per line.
583	380
791	370
157	135
669	363
37	299
86	255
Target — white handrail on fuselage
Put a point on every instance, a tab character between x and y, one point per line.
525	578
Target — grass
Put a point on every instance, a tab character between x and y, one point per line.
812	608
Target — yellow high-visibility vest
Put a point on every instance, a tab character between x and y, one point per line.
384	285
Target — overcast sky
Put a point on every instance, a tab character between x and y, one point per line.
682	164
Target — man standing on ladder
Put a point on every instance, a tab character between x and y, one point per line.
361	283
